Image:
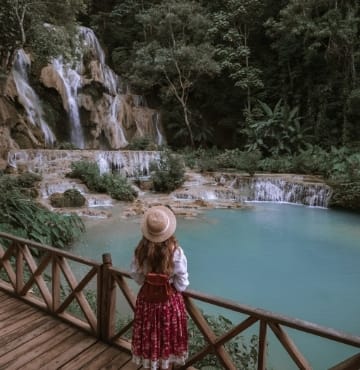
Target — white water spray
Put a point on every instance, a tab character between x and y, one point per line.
27	96
71	81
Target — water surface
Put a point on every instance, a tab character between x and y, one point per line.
293	260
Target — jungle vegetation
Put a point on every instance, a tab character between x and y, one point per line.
248	74
275	78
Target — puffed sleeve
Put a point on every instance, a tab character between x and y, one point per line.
180	279
137	275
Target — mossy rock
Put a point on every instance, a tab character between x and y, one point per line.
70	198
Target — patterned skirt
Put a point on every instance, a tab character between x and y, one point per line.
160	335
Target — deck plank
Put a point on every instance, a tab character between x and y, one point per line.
32	339
85	357
24	334
59	354
20	356
102	361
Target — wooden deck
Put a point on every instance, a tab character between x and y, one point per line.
32	340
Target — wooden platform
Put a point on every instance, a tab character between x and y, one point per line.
32	340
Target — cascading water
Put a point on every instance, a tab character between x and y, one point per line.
27	96
112	110
128	163
71	80
156	119
131	164
107	76
275	189
286	189
117	132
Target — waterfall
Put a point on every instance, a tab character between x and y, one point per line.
27	96
116	130
156	119
225	188
283	189
71	80
270	188
108	77
128	163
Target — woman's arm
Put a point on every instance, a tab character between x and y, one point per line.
137	275
180	279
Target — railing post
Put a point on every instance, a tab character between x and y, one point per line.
56	283
106	299
19	269
262	346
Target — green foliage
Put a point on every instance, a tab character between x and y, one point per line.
354	103
27	179
231	30
242	353
175	53
283	164
87	172
142	143
275	131
344	165
21	216
345	195
118	187
169	173
312	161
65	146
317	43
115	185
70	198
214	160
27	24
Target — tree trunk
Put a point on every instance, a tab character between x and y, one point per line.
187	123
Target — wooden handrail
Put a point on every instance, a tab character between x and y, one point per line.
52	267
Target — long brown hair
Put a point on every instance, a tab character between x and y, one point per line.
156	257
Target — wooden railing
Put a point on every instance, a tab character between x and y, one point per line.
90	302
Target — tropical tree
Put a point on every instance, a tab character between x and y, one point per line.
316	42
21	21
232	29
175	53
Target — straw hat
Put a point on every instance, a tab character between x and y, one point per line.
159	224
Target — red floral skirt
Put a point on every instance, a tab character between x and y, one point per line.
160	335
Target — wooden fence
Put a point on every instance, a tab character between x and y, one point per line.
46	278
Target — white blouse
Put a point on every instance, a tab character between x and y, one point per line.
180	276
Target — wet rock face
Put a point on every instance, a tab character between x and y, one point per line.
83	103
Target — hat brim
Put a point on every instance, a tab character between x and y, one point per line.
170	230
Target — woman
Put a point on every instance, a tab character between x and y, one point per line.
159	265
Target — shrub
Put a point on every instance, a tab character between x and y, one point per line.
28	179
118	187
345	195
21	216
344	165
313	160
142	143
169	173
249	161
66	146
70	198
276	164
114	185
244	355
